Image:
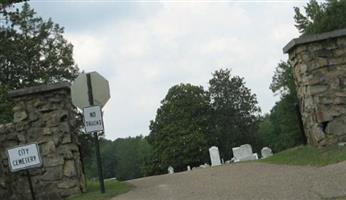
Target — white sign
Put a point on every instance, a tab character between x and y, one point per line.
93	119
99	89
24	157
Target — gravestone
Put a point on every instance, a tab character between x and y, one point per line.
170	170
266	152
244	153
214	156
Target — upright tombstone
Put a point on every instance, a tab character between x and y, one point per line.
170	170
43	115
266	152
319	70
244	153
214	156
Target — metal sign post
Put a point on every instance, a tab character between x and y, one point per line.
30	185
90	92
97	145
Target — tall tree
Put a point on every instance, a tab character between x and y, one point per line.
234	111
179	132
32	52
131	155
321	17
280	130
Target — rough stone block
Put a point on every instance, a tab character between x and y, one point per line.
53	173
19	116
66	139
341	42
70	168
48	148
53	160
337	126
339	52
317	89
67	184
337	61
317	134
323	53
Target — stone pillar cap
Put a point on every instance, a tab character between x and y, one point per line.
39	89
304	39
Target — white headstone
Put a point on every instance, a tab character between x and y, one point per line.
266	152
170	170
214	156
244	153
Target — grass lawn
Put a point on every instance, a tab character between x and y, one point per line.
308	155
113	188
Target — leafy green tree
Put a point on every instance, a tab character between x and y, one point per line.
32	52
123	158
234	112
6	3
131	155
178	134
321	17
280	130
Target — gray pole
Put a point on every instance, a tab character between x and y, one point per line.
98	155
30	185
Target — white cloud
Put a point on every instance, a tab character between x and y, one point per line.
88	50
143	57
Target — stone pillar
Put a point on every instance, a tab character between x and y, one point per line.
43	115
319	64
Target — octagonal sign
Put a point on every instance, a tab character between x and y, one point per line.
99	89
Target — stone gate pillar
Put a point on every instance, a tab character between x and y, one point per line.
43	115
319	64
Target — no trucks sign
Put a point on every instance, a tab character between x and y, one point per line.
24	157
93	119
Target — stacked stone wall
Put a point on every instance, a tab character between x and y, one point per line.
319	64
43	115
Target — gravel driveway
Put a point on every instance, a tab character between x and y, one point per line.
244	181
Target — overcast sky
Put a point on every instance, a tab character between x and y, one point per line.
145	47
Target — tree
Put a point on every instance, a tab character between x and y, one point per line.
178	134
321	17
131	155
234	111
32	52
123	158
280	130
6	3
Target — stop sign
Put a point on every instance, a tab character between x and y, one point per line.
80	90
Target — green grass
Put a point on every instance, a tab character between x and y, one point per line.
308	155
113	188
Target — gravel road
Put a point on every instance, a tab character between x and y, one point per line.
244	181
